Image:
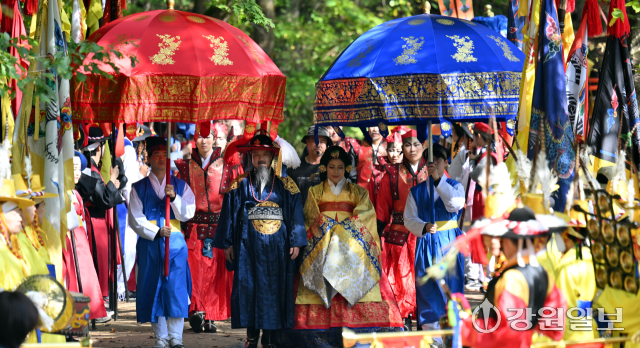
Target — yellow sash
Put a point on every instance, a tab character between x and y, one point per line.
446	225
175	225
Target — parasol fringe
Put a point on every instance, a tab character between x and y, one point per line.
591	13
620	27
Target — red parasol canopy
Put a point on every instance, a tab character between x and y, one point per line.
192	68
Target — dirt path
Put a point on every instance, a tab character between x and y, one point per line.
127	333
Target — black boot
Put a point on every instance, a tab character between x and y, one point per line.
269	339
196	320
210	326
253	336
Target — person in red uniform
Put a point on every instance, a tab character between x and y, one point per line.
99	198
399	245
482	133
209	176
516	296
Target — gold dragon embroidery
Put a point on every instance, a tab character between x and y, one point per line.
505	48
289	185
168	48
411	47
220	50
465	49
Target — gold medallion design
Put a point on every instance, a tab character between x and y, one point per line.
195	19
254	52
167	18
445	21
168	48
445	126
267	226
369	46
411	47
416	22
141	18
465	49
220	50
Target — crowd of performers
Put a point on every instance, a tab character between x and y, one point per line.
347	235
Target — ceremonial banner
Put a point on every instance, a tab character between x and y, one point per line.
515	24
549	105
51	141
576	78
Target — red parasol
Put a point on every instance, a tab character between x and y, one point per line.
192	68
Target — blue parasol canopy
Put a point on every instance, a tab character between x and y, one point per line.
422	68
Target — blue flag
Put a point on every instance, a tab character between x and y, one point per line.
515	24
549	105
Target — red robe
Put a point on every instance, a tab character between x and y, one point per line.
398	262
88	275
99	199
212	283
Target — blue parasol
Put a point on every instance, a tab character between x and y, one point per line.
422	68
418	70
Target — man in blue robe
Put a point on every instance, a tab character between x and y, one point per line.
162	300
261	229
435	228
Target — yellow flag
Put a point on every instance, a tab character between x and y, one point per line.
94	14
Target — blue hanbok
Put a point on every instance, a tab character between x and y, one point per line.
159	295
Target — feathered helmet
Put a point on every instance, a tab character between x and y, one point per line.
334	152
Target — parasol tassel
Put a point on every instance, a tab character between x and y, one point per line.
620	27
31	7
591	12
521	262
205	129
533	261
231	155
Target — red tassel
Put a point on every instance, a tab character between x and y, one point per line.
591	13
621	27
571	5
205	129
31	7
231	155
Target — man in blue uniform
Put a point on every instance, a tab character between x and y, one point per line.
435	228
162	300
261	229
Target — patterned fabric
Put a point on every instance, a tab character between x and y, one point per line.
342	254
412	70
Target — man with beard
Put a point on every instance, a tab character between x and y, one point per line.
310	164
261	230
99	199
398	252
210	176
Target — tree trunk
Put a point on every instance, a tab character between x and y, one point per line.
198	6
266	39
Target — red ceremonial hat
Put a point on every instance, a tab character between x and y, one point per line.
482	127
394	137
400	129
412	133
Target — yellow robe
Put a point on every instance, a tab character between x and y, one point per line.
33	260
610	299
576	280
343	252
12	271
33	237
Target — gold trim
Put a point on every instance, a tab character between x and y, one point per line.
236	181
289	184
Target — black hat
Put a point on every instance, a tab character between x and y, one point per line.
155	144
322	132
260	142
96	138
439	151
142	133
465	127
